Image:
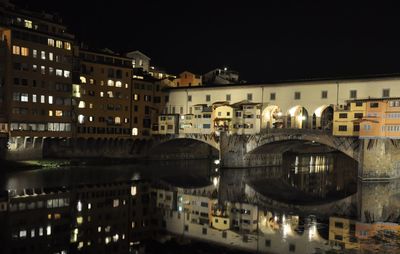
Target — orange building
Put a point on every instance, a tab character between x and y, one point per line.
382	119
187	78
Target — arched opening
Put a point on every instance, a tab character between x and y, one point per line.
272	117
324	117
297	117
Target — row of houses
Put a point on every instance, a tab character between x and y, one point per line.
364	118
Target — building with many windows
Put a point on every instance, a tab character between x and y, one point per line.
102	99
35	82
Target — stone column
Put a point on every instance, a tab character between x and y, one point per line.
379	159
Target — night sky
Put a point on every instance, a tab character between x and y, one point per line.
263	40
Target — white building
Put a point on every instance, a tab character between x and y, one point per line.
295	104
221	76
139	60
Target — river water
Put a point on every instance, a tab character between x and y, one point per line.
351	216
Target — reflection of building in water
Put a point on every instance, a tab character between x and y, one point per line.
95	218
236	224
37	220
342	233
372	235
112	217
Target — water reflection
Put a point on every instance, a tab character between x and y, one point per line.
117	209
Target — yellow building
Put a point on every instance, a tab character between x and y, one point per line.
342	233
346	119
187	78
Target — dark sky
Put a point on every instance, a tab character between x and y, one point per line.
263	40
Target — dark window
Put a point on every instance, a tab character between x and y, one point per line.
374	105
343	115
356	127
267	243
272	96
249	96
338	225
342	128
339	237
358	115
359	103
204	231
228	97
353	94
224	234
386	93
324	94
297	95
186	228
189	98
208	97
292	247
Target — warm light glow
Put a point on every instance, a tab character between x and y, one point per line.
134	131
79	220
133	190
79	206
81	119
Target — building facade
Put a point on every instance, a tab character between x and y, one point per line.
36	76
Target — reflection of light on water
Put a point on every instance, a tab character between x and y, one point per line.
312	232
315	164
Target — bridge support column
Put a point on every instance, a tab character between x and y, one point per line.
379	159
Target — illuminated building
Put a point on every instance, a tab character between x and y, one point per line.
187	79
139	60
347	119
221	76
36	76
342	233
102	99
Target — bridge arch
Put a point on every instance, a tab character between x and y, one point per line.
346	145
297	117
272	117
323	117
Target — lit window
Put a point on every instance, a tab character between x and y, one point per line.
126	85
110	82
40	231
28	24
43	69
59	44
83	80
24	51
67	45
79	204
107	240
50	42
89	206
22	233
51	56
118	84
102	82
141	62
117	120
81	119
42	99
16	50
110	94
50	99
34	53
59	72
91	81
133	190
50	112
126	120
59	113
67	74
101	94
48	230
134	131
81	104
115	237
51	70
43	55
32	233
136	97
79	220
115	202
90	118
34	98
90	105
24	97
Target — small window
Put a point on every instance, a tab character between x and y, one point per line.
189	98
249	96
228	97
272	96
339	237
353	94
358	115
342	128
224	234
374	105
359	103
292	247
208	97
356	127
186	228
204	231
386	93
343	115
324	94
297	95
267	243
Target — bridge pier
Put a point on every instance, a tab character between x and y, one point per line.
379	159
